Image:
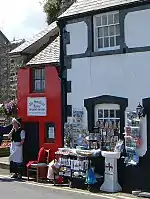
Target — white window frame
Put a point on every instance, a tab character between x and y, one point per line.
105	107
95	37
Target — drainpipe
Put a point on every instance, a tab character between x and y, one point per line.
61	26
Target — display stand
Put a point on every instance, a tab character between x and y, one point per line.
111	176
69	163
75	167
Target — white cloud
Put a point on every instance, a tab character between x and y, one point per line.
21	18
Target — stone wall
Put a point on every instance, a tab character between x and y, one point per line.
15	64
4	71
8	70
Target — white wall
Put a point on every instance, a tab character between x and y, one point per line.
137	28
125	75
78	38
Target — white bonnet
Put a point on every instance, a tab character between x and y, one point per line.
15	120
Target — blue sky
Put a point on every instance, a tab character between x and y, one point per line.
21	18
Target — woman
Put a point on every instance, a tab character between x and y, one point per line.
17	135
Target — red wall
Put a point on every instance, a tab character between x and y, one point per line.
53	95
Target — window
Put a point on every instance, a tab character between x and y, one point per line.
107	121
108	114
107	31
50	132
38	79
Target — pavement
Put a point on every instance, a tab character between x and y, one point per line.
16	190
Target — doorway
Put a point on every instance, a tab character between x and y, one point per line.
31	145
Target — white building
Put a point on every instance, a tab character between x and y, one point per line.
105	58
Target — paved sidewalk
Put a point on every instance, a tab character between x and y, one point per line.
4	162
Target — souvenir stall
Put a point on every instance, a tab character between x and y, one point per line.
75	166
78	164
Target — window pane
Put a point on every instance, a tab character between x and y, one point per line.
100	113
116	18
100	43
104	20
43	85
100	32
117	40
117	27
112	41
112	115
37	73
117	113
106	42
37	85
105	31
43	73
98	21
110	19
111	30
105	113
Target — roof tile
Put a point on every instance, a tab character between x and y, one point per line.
83	6
49	55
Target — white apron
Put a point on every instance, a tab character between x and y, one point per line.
16	152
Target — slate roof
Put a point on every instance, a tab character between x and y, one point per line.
35	39
83	6
49	55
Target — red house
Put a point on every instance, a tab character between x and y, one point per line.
39	92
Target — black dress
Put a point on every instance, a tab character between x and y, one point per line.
15	164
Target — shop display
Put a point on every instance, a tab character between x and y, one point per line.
74	163
132	139
131	158
74	128
105	134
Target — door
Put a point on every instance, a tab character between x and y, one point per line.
31	145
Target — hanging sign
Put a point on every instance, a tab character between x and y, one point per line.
36	106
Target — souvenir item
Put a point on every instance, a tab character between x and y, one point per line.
76	165
110	125
91	179
119	146
106	125
97	124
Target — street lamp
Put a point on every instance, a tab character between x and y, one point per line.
140	110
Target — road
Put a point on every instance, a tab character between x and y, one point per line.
9	189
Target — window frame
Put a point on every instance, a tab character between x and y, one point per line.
96	49
114	107
41	79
